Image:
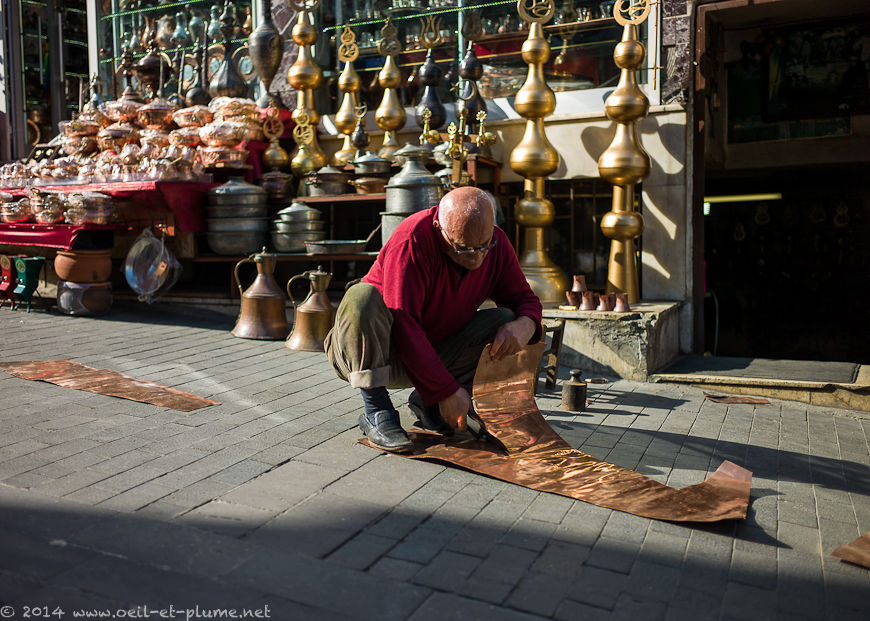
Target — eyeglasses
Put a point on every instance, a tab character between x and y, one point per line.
466	251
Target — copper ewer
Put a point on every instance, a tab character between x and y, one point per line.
263	315
314	316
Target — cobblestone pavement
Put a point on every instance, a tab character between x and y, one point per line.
267	499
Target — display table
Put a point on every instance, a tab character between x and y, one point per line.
185	199
60	236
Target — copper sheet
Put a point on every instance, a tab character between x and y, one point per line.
538	458
857	552
105	382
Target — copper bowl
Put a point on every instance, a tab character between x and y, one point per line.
122	110
194	116
223	156
221	134
81	127
83	145
185	137
156	115
114	137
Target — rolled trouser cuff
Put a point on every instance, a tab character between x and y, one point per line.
370	378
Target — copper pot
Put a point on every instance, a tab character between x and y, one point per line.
83	266
156	115
368	185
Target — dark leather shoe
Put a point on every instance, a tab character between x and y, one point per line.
382	428
428	416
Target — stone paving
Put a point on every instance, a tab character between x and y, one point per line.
267	499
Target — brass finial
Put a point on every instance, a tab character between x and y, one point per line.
470	70
429	136
625	163
305	76
359	138
485	139
456	150
535	158
275	157
348	83
390	115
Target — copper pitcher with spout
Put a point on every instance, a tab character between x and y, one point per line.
315	315
263	314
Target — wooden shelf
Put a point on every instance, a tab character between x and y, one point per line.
343	198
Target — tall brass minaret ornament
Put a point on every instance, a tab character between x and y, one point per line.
348	83
390	115
305	76
625	163
535	158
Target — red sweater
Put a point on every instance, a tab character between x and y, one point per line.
430	302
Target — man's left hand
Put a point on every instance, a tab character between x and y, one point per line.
512	337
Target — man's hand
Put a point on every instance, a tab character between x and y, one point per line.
455	407
512	337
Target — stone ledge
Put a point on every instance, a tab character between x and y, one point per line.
629	345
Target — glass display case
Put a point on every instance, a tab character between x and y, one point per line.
48	66
177	28
582	35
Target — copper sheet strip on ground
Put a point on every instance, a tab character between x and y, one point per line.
538	458
857	552
105	382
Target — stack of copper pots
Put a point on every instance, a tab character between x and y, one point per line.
294	226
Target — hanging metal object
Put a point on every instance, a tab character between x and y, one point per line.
429	137
359	138
152	67
196	94
304	75
535	158
625	163
127	70
227	81
349	83
429	75
275	157
390	115
266	49
470	71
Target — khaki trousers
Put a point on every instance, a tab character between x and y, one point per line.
359	346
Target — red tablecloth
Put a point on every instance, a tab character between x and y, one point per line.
61	236
186	199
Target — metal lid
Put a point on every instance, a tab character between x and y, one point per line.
370	157
237	186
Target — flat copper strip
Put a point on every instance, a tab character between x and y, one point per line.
538	458
105	382
857	552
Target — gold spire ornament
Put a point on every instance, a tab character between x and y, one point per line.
390	115
275	157
535	158
485	138
429	135
304	75
625	163
304	161
349	83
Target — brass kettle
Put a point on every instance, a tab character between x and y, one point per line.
263	313
315	315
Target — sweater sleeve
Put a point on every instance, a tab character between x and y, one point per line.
511	289
405	275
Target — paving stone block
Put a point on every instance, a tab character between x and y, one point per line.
570	610
137	497
626	527
450	607
421	545
613	554
597	587
691	605
388	478
663	548
743	601
388	568
539	593
446	570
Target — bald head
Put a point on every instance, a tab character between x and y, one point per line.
467	217
468	210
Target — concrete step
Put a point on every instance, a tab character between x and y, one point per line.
853	396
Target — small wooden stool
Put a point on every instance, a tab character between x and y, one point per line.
553	354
